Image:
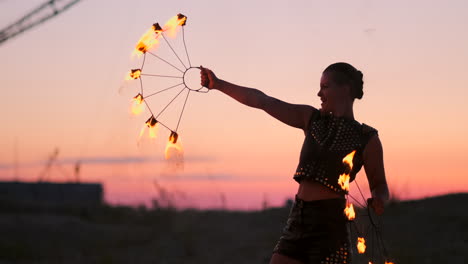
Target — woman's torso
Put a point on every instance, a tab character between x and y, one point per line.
310	190
328	140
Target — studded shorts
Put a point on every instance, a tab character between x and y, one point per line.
316	232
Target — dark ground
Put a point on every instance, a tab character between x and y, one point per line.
433	230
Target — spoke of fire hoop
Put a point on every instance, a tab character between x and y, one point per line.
181	113
143	63
163	90
141	86
169	44
166	62
170	102
356	201
159	122
185	46
362	195
147	106
163	76
380	239
373	245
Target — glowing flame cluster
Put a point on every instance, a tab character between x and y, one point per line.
150	38
148	41
361	245
344	178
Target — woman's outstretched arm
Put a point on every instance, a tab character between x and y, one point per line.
374	167
291	114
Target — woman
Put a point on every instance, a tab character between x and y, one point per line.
316	230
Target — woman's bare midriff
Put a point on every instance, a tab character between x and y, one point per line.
310	190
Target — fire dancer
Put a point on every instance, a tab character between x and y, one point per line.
316	230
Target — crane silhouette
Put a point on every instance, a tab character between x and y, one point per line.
36	17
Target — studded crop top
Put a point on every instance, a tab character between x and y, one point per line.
327	141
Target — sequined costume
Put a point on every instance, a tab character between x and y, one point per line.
317	231
328	140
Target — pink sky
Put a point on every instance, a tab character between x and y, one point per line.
60	84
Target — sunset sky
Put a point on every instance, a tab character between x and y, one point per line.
62	88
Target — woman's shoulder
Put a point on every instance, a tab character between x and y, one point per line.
367	133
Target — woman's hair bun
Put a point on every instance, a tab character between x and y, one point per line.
345	73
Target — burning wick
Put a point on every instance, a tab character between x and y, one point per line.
173	137
134	74
137	106
152	128
361	245
172	144
157	28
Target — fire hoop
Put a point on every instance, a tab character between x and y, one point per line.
364	224
147	43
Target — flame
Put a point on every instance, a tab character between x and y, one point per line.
348	160
343	181
173	145
171	26
133	74
361	245
388	262
344	178
349	211
147	41
151	125
151	37
137	107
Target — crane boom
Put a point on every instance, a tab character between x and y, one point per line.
37	16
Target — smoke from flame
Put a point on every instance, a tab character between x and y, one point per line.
361	245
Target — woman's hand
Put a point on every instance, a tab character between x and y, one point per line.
208	78
376	204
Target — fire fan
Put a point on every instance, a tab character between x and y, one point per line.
365	225
144	49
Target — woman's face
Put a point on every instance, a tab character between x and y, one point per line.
331	94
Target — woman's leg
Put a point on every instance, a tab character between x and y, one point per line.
282	259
